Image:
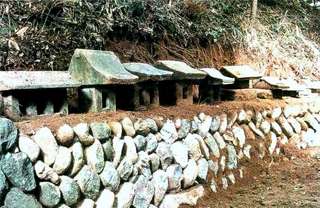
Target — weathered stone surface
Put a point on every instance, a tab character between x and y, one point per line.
49	108
291	111
82	131
224	182
231	178
128	127
154	162
232	161
65	135
242	117
110	177
203	168
168	132
131	151
255	130
212	144
29	147
239	135
295	125
276	113
144	190
204	149
95	156
273	143
94	67
232	119
276	128
106	199
204	126
215	124
303	124
152	125
140	142
100	130
222	163
165	154
78	158
89	182
265	127
125	195
160	182
152	143
175	176
286	127
17	199
118	145
125	169
311	138
49	194
213	166
190	173
70	190
8	135
219	139
194	126
3	185
311	121
193	146
19	171
223	123
180	153
86	203
246	151
213	186
141	126
116	128
184	128
258	118
108	150
189	197
46	173
47	144
229	137
63	160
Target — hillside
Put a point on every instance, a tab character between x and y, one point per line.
42	35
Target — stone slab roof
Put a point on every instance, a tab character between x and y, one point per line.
181	70
93	67
147	72
241	72
284	84
19	80
217	75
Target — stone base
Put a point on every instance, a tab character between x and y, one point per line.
11	107
97	100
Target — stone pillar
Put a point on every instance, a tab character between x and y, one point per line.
31	109
110	101
155	101
179	93
92	98
49	109
146	97
188	94
184	93
136	97
64	110
11	107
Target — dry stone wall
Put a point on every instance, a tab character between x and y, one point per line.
146	162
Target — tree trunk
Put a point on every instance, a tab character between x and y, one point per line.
254	9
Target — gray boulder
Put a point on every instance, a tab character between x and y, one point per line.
45	172
152	143
19	171
204	127
232	161
100	130
154	162
118	146
184	128
49	194
70	190
95	156
142	127
215	124
193	146
152	125
190	173
110	177
131	150
223	123
180	153
65	135
29	147
82	131
165	154
144	190
168	132
128	127
8	135
140	142
175	176
78	158
105	199
125	169
116	128
160	182
17	199
125	195
276	128
203	168
89	182
108	150
3	185
63	160
212	144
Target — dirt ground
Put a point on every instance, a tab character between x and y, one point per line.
182	111
293	181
